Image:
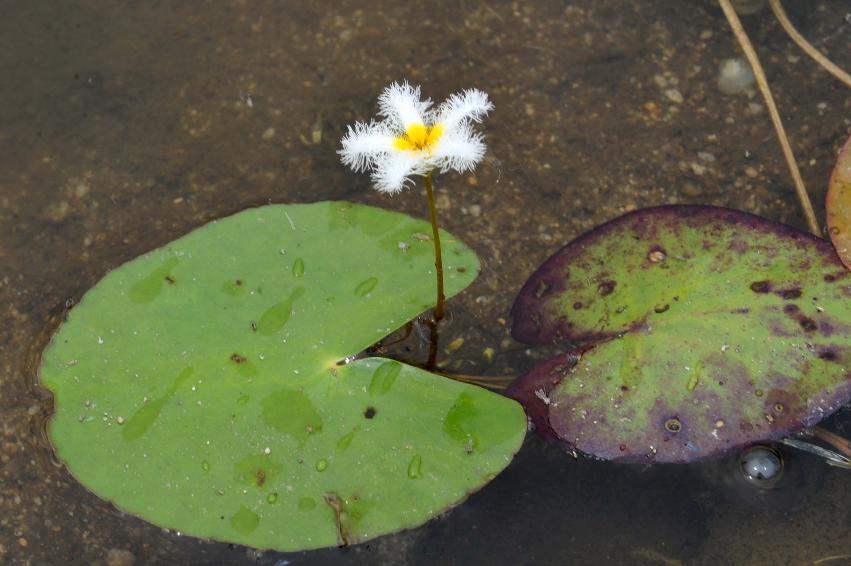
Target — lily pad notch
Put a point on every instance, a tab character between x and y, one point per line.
197	386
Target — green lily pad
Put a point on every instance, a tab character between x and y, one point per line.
198	386
690	331
839	205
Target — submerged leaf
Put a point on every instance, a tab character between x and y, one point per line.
697	330
198	386
839	205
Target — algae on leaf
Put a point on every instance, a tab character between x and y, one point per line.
198	386
689	331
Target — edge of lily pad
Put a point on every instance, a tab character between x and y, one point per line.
58	321
527	330
533	388
839	186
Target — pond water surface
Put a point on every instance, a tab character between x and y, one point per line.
124	125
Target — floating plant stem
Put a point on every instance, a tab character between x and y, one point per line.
806	46
841	444
759	74
415	140
438	258
492	382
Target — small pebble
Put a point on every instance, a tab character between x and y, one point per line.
268	134
454	345
747	7
57	212
475	210
697	168
488	354
691	190
674	95
735	76
119	557
755	107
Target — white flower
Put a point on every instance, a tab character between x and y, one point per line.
414	140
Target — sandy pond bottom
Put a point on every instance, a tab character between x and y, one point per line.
125	125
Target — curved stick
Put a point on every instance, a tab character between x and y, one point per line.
759	74
808	48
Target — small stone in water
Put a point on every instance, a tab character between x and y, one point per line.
119	557
735	76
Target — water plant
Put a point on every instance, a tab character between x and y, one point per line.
416	140
215	386
689	332
219	385
839	205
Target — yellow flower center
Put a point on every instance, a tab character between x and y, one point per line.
419	137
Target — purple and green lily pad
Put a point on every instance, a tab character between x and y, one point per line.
839	205
689	331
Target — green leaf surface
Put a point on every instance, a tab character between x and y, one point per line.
698	330
838	205
198	386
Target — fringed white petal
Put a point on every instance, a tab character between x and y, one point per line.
365	144
400	103
460	149
455	145
468	105
392	173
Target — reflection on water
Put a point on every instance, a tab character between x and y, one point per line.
125	125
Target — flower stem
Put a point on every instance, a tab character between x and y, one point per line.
438	258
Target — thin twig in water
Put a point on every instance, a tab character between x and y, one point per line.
843	445
833	558
493	382
750	53
819	57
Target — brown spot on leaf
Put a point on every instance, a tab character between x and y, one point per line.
369	412
606	287
828	354
238	359
260	476
788	294
808	324
336	503
170	280
760	286
541	289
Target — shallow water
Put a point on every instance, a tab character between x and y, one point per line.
124	125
